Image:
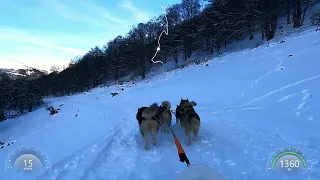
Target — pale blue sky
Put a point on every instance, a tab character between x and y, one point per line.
43	33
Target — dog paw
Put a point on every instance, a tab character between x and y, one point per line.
195	138
154	143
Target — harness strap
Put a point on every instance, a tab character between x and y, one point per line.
189	112
157	119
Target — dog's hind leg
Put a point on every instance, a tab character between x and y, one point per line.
187	131
195	129
154	128
154	134
166	127
146	144
195	133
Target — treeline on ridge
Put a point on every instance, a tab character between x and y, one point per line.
192	28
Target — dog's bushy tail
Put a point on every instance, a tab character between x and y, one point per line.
151	111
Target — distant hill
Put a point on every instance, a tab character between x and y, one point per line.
31	72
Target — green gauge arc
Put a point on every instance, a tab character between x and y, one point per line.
286	153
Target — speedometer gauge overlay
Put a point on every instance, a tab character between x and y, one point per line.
290	161
26	161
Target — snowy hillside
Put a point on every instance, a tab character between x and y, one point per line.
251	103
13	74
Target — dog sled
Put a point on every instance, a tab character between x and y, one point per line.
199	171
195	171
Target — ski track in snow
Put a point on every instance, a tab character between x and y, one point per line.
269	72
72	162
276	91
101	159
287	97
306	95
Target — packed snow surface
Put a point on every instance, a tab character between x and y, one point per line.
251	103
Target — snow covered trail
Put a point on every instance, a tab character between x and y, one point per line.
251	103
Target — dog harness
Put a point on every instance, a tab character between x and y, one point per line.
188	112
156	117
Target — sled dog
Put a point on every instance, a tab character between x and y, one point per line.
165	116
148	123
177	114
189	119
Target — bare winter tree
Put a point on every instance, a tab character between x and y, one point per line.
190	8
269	17
299	13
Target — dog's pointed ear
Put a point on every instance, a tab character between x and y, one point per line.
193	103
187	99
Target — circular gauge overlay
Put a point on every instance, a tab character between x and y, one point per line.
28	160
290	161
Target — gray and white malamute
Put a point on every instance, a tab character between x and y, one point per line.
188	118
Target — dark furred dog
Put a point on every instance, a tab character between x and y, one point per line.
189	119
139	114
177	114
148	122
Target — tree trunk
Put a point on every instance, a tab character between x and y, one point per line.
143	70
251	36
211	47
288	11
270	18
304	13
297	14
262	33
176	56
165	57
1	114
